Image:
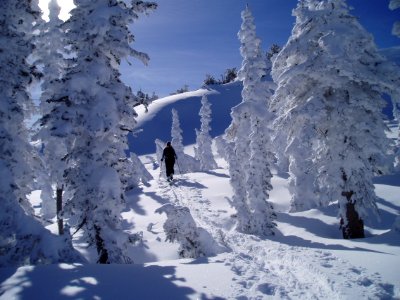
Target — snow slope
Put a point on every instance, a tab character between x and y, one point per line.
157	122
307	259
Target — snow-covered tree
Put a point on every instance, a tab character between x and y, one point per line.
50	47
251	158
395	4
160	145
23	240
330	80
203	151
259	176
180	227
95	112
176	133
185	162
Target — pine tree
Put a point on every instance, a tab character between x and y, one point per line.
252	158
50	50
185	162
395	4
203	151
329	105
96	112
23	239
159	153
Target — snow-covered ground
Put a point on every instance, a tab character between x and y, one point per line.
306	259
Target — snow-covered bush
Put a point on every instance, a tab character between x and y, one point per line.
185	163
133	172
180	227
330	80
203	151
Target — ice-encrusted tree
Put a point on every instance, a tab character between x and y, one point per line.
23	240
330	80
251	158
176	133
203	151
96	112
185	162
395	4
160	145
49	51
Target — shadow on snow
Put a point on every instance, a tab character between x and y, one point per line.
93	282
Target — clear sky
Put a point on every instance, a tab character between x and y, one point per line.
187	39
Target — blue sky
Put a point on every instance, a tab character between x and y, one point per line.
187	39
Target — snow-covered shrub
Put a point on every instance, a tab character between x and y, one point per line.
133	172
180	227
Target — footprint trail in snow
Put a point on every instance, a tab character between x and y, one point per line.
265	268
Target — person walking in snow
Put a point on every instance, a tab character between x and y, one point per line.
170	156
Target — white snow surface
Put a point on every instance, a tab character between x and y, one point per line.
306	259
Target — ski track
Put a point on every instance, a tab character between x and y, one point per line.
268	269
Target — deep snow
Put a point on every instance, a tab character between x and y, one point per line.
307	259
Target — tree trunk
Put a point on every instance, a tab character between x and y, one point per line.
354	227
101	251
60	222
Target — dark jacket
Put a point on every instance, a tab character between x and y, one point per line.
169	154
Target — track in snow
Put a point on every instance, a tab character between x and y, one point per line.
268	269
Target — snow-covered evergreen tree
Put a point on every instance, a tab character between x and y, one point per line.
395	4
160	145
330	80
50	47
180	226
251	157
203	151
96	112
185	162
176	133
23	240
